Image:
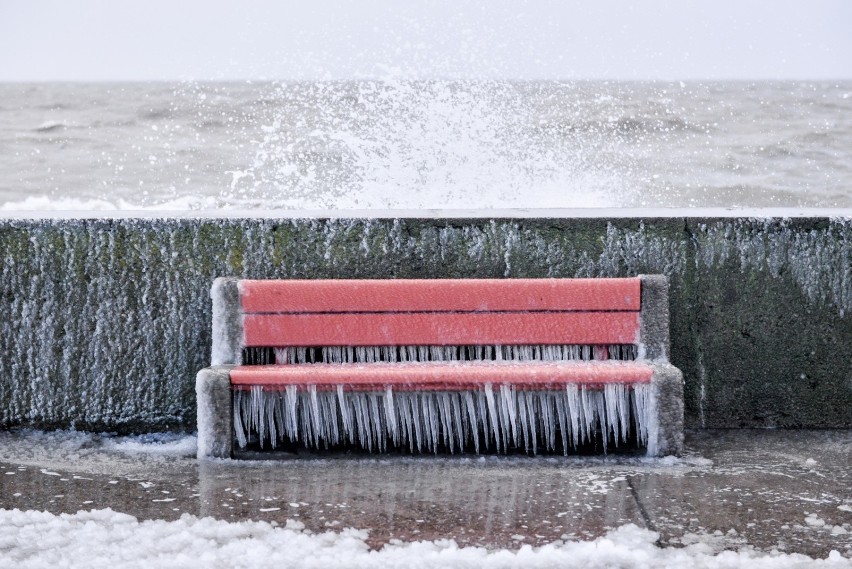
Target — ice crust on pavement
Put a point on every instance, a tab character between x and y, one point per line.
105	538
163	444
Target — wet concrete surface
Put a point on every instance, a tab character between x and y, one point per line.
784	490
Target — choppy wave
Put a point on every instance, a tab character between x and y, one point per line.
425	144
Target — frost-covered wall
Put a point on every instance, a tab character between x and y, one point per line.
105	322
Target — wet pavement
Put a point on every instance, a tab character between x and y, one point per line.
784	490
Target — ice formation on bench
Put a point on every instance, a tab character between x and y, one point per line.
372	354
494	418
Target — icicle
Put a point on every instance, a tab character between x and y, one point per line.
328	410
545	423
458	424
642	411
291	395
611	404
509	401
445	420
256	406
481	401
572	403
434	421
239	427
364	426
390	416
269	419
561	402
521	398
415	406
406	418
600	411
380	428
589	416
493	418
469	408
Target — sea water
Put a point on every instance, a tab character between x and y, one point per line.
424	144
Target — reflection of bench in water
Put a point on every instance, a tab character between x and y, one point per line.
521	365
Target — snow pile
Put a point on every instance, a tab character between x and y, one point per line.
104	538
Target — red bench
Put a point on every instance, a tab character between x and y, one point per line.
568	358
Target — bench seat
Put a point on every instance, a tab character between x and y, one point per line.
442	375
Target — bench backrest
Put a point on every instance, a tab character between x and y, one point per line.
278	313
440	312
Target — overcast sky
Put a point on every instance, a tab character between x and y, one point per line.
213	39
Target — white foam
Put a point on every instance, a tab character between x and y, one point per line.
48	204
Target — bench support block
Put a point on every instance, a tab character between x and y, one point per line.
668	397
215	413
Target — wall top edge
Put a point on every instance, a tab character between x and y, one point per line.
531	213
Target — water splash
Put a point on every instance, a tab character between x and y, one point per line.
462	144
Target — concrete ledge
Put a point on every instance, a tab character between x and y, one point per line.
494	213
106	321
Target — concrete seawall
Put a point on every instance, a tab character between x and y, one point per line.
106	321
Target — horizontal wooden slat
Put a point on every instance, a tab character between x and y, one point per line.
404	295
441	376
421	328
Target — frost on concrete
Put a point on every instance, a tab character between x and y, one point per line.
101	538
637	251
818	260
97	318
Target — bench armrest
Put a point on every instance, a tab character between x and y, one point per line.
654	318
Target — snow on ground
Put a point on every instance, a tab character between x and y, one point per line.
104	538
